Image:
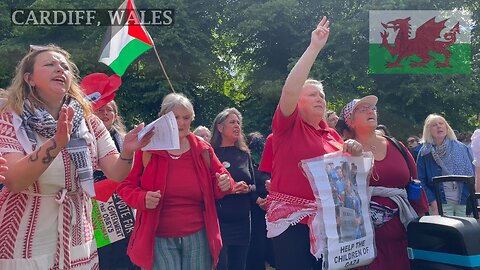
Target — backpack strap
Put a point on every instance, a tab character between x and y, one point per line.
402	151
146	156
207	158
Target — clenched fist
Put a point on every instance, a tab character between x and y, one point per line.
241	187
223	181
152	198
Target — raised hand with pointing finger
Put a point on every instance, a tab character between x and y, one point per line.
300	131
320	34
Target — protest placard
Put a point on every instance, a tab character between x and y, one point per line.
340	185
113	220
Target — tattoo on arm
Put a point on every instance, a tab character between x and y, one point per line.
34	156
49	157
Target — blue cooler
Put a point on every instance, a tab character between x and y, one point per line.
444	242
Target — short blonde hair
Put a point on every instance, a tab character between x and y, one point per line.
427	134
314	82
19	89
319	85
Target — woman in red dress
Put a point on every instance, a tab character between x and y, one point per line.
390	175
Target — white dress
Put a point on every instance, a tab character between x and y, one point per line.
49	225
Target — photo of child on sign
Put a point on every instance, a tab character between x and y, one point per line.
347	201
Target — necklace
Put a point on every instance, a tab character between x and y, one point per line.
174	156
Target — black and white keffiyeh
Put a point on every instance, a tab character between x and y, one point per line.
40	121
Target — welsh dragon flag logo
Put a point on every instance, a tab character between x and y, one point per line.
419	42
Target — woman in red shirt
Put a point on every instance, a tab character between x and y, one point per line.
300	132
174	193
390	175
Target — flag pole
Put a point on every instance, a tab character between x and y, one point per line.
163	69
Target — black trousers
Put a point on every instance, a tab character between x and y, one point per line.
261	248
292	250
232	257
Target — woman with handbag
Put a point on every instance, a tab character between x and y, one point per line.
390	207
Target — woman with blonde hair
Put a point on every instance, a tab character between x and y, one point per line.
53	133
233	210
174	192
443	154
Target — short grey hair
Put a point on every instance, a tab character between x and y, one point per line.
317	83
173	99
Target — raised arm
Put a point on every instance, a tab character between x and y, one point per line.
24	170
299	74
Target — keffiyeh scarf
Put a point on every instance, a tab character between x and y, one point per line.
40	121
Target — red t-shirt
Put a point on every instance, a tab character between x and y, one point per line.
266	162
394	172
182	209
293	141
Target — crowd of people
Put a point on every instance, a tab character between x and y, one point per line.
223	200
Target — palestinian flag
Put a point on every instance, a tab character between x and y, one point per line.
420	42
125	40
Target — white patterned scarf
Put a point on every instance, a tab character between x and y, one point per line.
451	156
43	123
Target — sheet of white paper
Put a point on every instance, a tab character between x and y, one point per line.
166	133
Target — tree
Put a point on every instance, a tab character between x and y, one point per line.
238	53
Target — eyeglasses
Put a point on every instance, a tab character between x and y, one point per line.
411	140
365	108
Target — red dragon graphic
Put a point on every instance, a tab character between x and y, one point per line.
425	40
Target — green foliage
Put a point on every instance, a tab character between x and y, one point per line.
238	53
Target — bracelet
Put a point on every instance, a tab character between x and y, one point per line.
129	160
